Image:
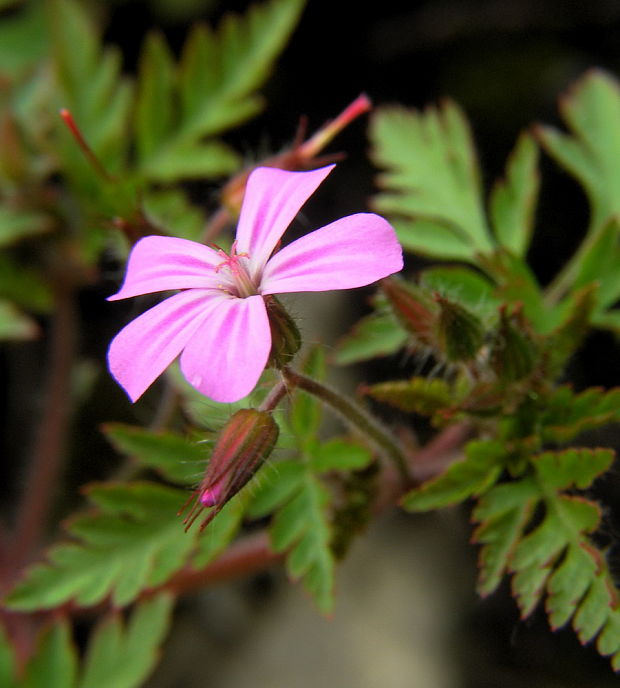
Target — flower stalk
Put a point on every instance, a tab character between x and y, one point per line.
359	418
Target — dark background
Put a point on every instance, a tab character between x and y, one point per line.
506	62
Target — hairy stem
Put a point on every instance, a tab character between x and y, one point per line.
356	416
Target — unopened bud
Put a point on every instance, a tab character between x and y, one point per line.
242	447
513	352
285	336
413	308
461	333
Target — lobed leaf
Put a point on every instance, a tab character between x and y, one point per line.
514	198
531	528
483	462
416	395
54	664
132	541
123	655
302	527
175	457
431	186
566	414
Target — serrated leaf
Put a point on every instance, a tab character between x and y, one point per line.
592	111
17	224
133	541
54	663
123	655
173	456
215	87
431	180
483	462
533	529
23	40
377	334
567	414
14	324
302	527
339	455
92	88
513	199
417	395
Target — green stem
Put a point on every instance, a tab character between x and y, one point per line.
358	417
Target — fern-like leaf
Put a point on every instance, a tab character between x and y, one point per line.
133	541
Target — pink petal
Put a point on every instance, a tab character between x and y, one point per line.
351	252
142	350
272	199
227	354
158	263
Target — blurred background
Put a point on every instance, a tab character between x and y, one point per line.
406	614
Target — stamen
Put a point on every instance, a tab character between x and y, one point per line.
242	280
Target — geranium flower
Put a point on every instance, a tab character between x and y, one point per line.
218	322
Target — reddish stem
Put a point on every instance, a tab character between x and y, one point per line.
46	462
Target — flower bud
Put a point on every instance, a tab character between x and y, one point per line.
285	336
461	333
242	447
413	308
513	353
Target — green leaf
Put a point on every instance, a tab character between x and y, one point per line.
431	181
175	457
340	455
302	527
93	89
592	112
533	529
214	87
483	462
417	395
54	664
513	199
566	414
122	655
14	324
377	334
132	541
18	224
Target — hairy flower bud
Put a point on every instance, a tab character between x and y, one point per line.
513	352
413	308
461	333
242	447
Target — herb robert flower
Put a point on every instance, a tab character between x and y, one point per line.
218	323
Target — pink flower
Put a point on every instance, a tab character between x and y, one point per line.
218	322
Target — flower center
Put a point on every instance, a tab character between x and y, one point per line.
234	264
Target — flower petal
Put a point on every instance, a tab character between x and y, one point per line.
158	263
272	199
227	354
351	252
142	350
